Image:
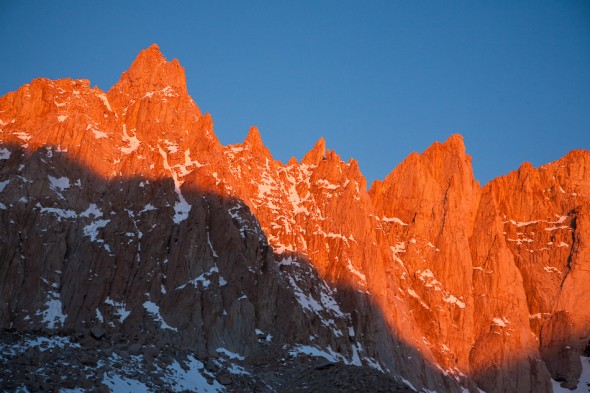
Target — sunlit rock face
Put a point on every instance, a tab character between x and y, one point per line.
126	224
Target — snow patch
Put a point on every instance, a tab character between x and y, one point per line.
204	279
120	308
119	383
52	315
211	246
3	184
63	183
92	210
189	377
392	219
4	154
131	140
397	249
181	207
413	294
99	316
62	118
99	134
453	300
360	275
147	208
22	135
105	101
502	322
551	269
60	213
172	147
317	352
91	230
326	184
230	354
154	309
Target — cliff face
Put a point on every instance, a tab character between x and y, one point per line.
122	212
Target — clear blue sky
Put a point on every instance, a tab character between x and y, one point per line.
377	79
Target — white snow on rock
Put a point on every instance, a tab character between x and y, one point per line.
62	118
120	308
204	279
502	322
52	315
52	342
63	183
551	269
97	133
522	224
40	343
181	207
4	154
105	101
357	273
326	184
147	208
22	135
131	140
120	383
560	219
171	146
413	294
327	353
392	219
60	213
91	230
3	184
230	354
154	309
92	210
211	246
99	316
397	249
450	298
190	377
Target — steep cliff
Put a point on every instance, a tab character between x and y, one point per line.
129	232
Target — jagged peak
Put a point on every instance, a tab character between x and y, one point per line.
253	139
254	143
292	161
150	71
440	161
151	55
455	142
316	154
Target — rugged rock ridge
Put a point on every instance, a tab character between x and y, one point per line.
122	211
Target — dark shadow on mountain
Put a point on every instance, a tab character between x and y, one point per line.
122	265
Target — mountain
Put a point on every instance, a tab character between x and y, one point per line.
139	253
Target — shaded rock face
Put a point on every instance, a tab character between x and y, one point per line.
125	222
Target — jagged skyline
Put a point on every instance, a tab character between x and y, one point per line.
377	83
428	276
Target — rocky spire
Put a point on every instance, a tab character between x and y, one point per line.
254	142
316	154
253	139
149	73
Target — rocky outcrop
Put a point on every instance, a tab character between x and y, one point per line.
127	226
